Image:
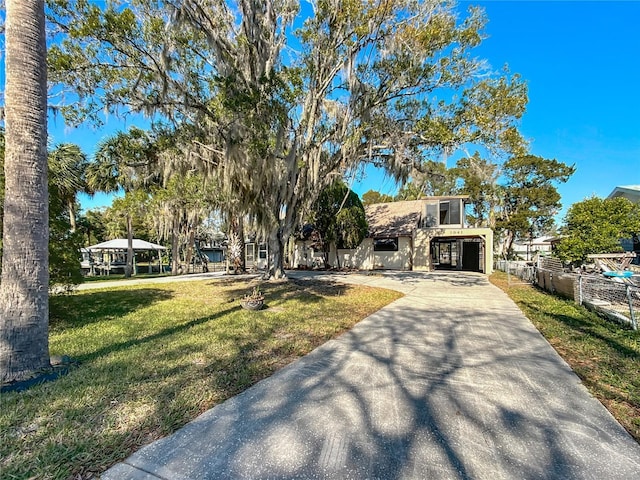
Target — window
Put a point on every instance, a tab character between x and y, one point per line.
262	251
385	244
431	220
450	212
455	212
444	213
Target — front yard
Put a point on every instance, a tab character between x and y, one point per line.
153	357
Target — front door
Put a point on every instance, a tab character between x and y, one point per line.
471	256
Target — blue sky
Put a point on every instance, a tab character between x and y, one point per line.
581	61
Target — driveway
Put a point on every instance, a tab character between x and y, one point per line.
449	382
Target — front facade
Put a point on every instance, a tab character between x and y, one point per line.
426	234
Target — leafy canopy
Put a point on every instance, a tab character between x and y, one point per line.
282	100
338	215
597	225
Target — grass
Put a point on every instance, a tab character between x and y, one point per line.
603	354
153	357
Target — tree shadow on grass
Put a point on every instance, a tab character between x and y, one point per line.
166	332
593	327
276	292
74	311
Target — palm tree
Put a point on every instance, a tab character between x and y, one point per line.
24	297
125	161
67	167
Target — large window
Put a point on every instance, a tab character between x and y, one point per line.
385	244
443	212
450	212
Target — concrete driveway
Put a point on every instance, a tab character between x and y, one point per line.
449	382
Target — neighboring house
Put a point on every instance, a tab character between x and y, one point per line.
255	255
424	234
214	254
632	193
541	245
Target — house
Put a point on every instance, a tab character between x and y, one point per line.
632	193
425	234
255	255
527	249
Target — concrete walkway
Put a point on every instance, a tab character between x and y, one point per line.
449	382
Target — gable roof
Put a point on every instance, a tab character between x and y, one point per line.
395	219
631	192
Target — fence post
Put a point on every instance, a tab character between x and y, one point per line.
634	323
580	289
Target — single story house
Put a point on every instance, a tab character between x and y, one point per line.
425	234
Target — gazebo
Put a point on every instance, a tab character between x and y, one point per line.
121	245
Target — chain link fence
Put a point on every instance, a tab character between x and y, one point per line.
522	271
615	298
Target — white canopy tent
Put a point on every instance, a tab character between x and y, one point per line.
121	245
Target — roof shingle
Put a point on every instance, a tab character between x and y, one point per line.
395	219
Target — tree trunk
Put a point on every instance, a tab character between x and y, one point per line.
128	269
189	251
175	254
24	291
276	255
506	244
237	227
72	215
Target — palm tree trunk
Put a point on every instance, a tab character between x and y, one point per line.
71	207
24	294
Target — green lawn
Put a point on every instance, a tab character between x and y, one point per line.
152	357
605	355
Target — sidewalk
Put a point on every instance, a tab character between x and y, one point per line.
449	382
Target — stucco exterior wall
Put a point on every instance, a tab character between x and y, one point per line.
305	256
400	260
421	256
414	253
362	257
